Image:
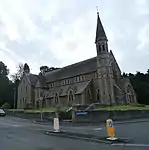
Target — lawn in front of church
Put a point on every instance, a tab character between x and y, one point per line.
108	108
124	107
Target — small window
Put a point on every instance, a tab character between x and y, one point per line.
103	47
98	48
56	98
70	81
83	78
51	84
63	82
95	75
98	96
88	94
76	79
80	78
70	96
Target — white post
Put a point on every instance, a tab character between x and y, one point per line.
56	125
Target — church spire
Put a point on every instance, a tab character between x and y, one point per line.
100	33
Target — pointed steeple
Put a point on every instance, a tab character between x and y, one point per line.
100	33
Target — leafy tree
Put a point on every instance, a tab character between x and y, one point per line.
140	82
124	74
44	69
6	86
6	105
18	75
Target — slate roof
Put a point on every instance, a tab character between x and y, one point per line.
38	85
33	79
86	66
100	33
78	88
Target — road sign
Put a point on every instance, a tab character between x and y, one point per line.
81	113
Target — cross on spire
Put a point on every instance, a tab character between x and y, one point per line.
97	10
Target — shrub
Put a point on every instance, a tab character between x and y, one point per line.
6	106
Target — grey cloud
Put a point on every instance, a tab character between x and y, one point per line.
123	19
30	51
71	46
118	16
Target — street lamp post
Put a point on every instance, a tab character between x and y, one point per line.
41	102
14	100
41	113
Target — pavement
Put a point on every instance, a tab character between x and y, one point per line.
16	133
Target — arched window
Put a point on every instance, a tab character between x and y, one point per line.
98	48
56	98
70	96
98	96
103	47
130	94
37	104
88	95
43	102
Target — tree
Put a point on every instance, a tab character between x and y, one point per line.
18	75
6	105
124	74
44	69
4	81
140	82
6	86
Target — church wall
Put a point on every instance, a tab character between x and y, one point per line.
78	99
24	93
95	87
63	101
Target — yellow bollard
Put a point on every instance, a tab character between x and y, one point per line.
110	130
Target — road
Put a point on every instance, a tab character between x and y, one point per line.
16	133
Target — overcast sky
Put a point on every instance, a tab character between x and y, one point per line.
62	32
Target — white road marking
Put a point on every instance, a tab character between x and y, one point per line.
97	129
15	125
131	145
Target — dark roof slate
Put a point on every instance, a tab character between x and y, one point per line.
82	67
77	88
33	79
100	33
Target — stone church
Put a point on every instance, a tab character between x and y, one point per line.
95	80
